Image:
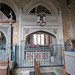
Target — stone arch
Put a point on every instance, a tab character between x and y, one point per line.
50	32
39	32
4	34
39	10
42	31
12	5
47	4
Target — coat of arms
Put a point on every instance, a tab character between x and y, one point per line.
41	19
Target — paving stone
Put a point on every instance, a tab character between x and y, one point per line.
49	73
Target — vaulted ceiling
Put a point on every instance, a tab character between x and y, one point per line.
57	3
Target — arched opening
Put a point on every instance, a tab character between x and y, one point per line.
2	41
39	46
7	15
49	5
7	10
2	38
41	38
40	9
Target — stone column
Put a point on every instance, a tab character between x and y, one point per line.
20	34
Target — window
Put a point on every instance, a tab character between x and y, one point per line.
38	39
7	10
35	39
41	38
2	41
40	9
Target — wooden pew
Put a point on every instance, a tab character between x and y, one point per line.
3	70
11	64
4	67
36	68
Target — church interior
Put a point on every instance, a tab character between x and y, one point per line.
37	37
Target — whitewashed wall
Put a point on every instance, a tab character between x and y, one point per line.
28	25
53	26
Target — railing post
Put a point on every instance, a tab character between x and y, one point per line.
7	65
64	70
11	52
61	56
15	56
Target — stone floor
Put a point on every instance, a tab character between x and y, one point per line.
48	73
44	71
59	71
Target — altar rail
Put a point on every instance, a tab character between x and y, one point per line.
47	55
8	51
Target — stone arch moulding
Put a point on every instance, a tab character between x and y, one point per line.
47	4
41	31
12	5
47	31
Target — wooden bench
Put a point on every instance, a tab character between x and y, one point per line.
4	66
36	68
3	70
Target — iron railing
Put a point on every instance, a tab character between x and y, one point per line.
7	51
46	55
